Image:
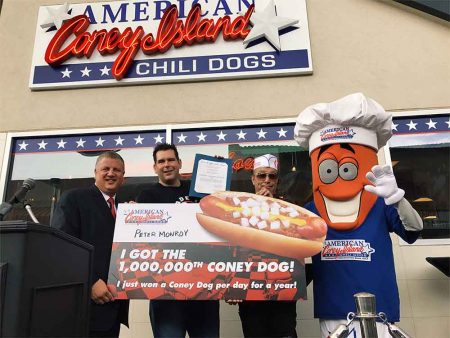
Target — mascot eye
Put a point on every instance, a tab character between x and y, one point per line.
348	171
328	171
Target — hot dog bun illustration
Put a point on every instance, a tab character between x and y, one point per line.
263	223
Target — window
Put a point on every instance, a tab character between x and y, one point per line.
242	144
64	161
419	150
420	155
61	162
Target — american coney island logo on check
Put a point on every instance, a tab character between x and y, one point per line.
337	133
161	40
146	216
347	250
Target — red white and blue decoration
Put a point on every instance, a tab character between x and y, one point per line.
51	153
431	131
435	127
123	42
89	142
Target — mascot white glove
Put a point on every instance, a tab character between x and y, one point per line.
384	184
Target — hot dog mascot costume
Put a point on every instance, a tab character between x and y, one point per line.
360	202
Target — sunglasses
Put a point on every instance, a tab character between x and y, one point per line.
263	176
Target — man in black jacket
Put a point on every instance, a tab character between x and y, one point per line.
173	318
89	214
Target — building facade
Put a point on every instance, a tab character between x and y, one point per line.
395	54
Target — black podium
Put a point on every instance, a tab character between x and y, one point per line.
45	278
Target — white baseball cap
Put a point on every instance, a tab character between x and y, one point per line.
267	160
352	119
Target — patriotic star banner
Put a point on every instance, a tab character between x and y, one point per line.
160	251
128	42
74	156
33	155
420	131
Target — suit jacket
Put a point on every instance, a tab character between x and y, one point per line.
84	213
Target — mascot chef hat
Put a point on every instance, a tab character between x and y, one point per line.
351	119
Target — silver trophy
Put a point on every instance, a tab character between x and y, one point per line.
393	330
342	330
367	314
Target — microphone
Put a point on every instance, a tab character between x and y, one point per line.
19	196
30	212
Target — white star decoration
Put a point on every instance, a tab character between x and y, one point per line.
99	142
435	124
139	139
66	73
85	72
42	145
182	138
411	125
23	145
261	134
267	24
241	135
431	124
221	136
61	144
80	143
201	137
105	70
56	15
281	133
158	139
119	141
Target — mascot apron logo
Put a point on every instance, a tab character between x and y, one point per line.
347	250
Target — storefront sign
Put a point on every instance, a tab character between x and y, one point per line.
243	163
123	42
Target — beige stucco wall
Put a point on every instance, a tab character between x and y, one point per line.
394	54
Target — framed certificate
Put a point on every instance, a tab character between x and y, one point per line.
210	174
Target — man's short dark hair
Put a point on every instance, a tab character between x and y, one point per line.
110	154
164	147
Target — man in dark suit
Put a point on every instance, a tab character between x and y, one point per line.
89	214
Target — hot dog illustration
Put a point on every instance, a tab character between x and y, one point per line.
263	223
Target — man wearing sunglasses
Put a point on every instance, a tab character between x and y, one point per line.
265	175
267	318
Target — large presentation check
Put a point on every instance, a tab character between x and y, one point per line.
160	251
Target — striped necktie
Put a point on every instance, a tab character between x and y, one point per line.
112	207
